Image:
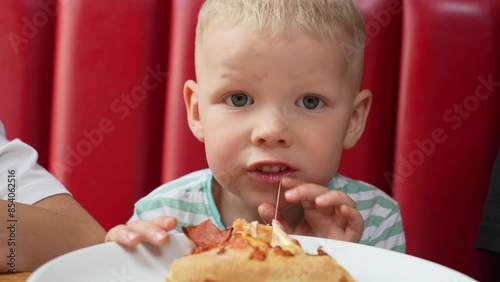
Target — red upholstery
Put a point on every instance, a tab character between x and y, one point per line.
102	102
26	55
182	152
371	158
108	103
447	133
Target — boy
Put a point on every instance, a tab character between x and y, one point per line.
276	100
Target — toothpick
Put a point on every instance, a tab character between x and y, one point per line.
277	201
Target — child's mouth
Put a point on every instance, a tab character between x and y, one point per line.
271	174
272	169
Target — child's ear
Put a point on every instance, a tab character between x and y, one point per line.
362	104
192	108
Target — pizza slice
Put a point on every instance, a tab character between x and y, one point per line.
251	252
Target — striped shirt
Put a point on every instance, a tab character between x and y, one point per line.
190	200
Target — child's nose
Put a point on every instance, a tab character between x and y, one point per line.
271	132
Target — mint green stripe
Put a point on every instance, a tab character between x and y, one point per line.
380	200
171	186
373	220
400	248
396	229
355	187
174	204
364	242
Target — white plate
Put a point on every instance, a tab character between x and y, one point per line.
111	262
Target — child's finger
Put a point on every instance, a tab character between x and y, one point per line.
267	212
123	235
334	199
305	192
166	222
149	231
154	232
355	226
290	182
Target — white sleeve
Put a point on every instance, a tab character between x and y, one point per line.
32	182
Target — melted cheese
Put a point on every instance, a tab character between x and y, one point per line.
281	239
274	235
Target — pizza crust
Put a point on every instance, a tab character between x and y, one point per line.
246	257
234	265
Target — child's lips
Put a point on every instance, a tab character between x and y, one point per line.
269	177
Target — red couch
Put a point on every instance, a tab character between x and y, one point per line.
95	87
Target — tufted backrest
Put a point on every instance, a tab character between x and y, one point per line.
96	88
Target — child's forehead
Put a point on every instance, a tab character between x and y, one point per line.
240	52
247	41
242	32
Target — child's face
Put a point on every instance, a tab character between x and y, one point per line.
267	108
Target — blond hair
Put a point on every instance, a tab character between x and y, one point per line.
337	20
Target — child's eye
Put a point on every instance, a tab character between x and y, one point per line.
239	100
310	102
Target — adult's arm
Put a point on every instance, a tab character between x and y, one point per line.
49	228
48	221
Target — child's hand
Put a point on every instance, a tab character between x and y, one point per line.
154	231
327	213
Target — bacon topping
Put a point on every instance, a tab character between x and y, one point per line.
206	235
242	235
